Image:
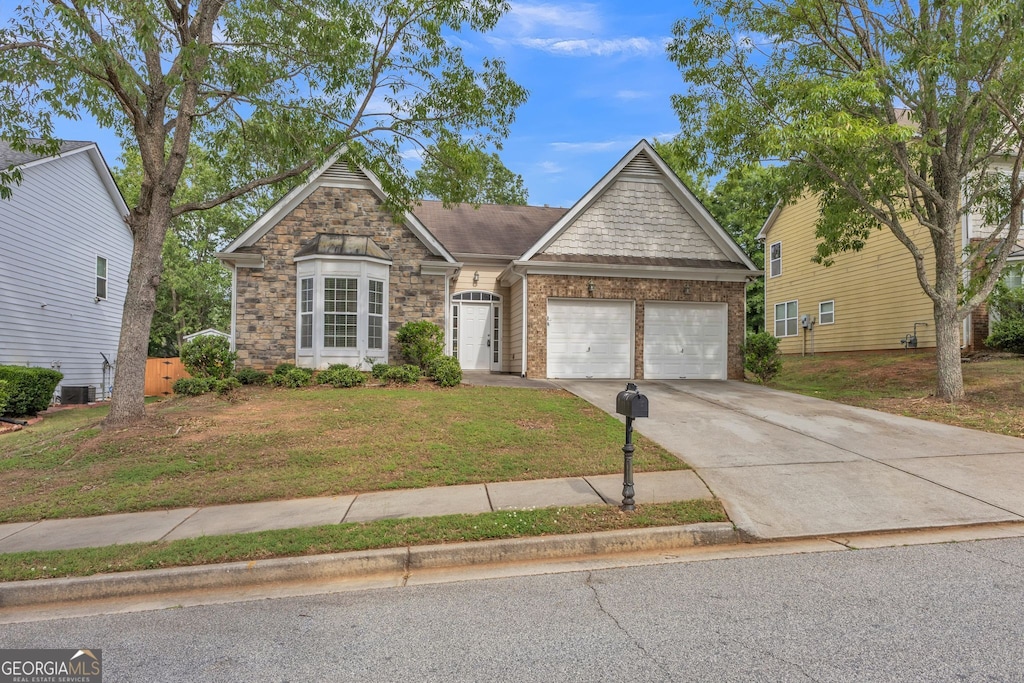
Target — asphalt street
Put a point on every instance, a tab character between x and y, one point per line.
925	613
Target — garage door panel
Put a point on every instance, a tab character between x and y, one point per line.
589	338
685	340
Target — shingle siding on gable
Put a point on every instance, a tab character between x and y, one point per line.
637	218
265	315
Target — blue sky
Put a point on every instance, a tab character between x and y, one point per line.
599	81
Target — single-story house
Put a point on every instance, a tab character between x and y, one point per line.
635	280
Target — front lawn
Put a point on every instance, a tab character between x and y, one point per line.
903	383
271	444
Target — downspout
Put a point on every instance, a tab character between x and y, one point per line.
234	302
526	324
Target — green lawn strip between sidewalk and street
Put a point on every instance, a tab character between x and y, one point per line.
339	538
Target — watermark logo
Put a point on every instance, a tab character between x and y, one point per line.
51	666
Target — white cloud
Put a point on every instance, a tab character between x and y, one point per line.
529	19
632	94
592	47
550	167
586	147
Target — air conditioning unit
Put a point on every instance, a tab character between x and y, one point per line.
77	395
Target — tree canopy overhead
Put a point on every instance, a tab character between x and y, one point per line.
270	87
894	114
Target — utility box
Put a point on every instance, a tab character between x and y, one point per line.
77	395
631	402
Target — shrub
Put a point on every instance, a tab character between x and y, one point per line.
1007	335
193	386
403	374
5	394
29	390
446	371
283	368
380	371
761	356
250	376
341	376
208	356
225	386
421	342
293	378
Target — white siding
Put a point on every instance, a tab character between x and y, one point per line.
977	228
57	222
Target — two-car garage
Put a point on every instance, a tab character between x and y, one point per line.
597	338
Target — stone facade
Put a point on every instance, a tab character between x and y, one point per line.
541	287
265	333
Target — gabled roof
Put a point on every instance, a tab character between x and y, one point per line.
326	244
682	194
770	221
12	158
335	172
488	229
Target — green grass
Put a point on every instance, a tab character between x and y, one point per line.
273	444
349	537
903	383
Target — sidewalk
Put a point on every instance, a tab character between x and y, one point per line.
168	525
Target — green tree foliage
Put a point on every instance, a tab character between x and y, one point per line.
421	341
195	289
891	113
274	88
208	356
476	178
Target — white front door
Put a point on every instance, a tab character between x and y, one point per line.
590	338
685	340
475	334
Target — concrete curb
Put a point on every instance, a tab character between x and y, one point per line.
399	562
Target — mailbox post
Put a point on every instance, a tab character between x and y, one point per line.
632	404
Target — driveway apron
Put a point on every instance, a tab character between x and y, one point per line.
786	465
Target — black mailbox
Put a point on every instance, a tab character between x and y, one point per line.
631	402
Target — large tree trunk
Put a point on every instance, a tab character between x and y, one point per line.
127	403
948	274
950	376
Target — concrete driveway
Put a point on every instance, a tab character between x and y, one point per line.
787	465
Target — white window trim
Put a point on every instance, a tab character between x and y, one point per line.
796	318
105	277
771	260
832	313
319	268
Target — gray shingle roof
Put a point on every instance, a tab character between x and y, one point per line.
490	229
10	157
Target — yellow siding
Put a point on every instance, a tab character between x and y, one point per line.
488	282
876	292
515	346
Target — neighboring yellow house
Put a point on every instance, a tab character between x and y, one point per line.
866	300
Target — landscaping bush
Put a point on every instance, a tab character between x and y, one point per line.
421	342
250	376
341	376
5	394
283	368
403	374
1007	335
29	390
225	386
292	378
761	356
192	386
446	371
208	356
380	371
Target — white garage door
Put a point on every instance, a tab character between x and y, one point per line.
590	338
685	341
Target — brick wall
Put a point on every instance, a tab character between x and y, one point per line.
265	317
541	287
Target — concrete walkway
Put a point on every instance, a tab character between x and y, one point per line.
787	465
167	525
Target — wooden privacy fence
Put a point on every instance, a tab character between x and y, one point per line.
161	374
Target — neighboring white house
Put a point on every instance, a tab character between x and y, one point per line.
65	253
